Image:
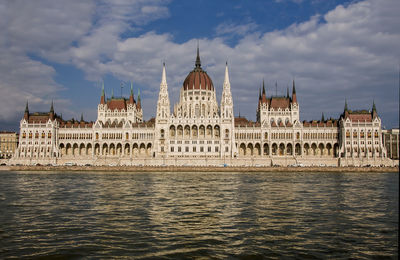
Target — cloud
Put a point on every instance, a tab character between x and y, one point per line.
230	29
350	52
82	34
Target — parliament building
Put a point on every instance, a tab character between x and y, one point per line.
201	132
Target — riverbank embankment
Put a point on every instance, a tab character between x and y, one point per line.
196	169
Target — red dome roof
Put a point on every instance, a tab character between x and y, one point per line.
198	78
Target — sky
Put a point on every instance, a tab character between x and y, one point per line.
335	50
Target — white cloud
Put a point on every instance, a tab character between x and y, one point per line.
230	29
350	52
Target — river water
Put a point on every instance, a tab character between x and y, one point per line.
62	215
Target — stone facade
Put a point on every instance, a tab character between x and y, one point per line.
391	141
202	132
8	144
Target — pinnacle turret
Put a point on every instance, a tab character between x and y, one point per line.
52	107
164	75
26	107
198	62
294	96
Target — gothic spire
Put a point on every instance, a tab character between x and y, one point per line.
52	107
345	105
198	62
226	80
26	114
322	117
164	74
287	92
112	93
26	107
102	98
263	92
294	88
139	103
82	117
373	106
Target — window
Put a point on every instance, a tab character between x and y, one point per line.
209	149
162	133
226	133
201	149
226	149
172	149
186	149
179	149
126	136
194	149
49	135
265	135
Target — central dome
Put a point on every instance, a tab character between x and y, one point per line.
198	78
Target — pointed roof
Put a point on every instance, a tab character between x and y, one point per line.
164	75
81	117
373	106
294	96
263	86
139	103
52	107
26	107
198	62
345	104
287	92
102	89
226	80
263	96
112	93
294	88
322	117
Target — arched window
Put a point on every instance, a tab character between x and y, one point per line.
49	135
162	133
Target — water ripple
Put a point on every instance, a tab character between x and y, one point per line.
199	215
